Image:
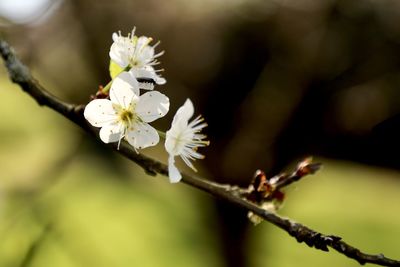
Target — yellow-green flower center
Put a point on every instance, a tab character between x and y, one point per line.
134	63
126	116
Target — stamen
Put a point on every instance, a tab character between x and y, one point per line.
120	138
156	44
149	40
158	54
146	85
133	31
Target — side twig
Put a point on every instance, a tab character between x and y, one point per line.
20	74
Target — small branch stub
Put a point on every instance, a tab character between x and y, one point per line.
267	193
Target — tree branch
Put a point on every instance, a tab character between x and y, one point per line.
20	74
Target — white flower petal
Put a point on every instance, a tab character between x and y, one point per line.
145	52
159	80
124	90
111	133
170	143
147	73
142	135
146	86
136	52
184	113
142	42
99	112
141	73
152	105
115	36
183	138
119	54
153	75
173	172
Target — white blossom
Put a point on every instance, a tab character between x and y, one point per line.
183	139
137	53
126	114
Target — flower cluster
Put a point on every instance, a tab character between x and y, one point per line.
126	112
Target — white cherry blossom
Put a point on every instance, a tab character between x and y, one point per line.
137	53
183	139
126	114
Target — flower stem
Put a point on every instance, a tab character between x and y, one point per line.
108	86
161	133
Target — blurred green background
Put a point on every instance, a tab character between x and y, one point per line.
276	80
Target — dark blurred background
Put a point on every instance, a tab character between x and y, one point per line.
276	80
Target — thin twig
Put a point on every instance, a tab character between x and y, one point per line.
20	74
304	168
